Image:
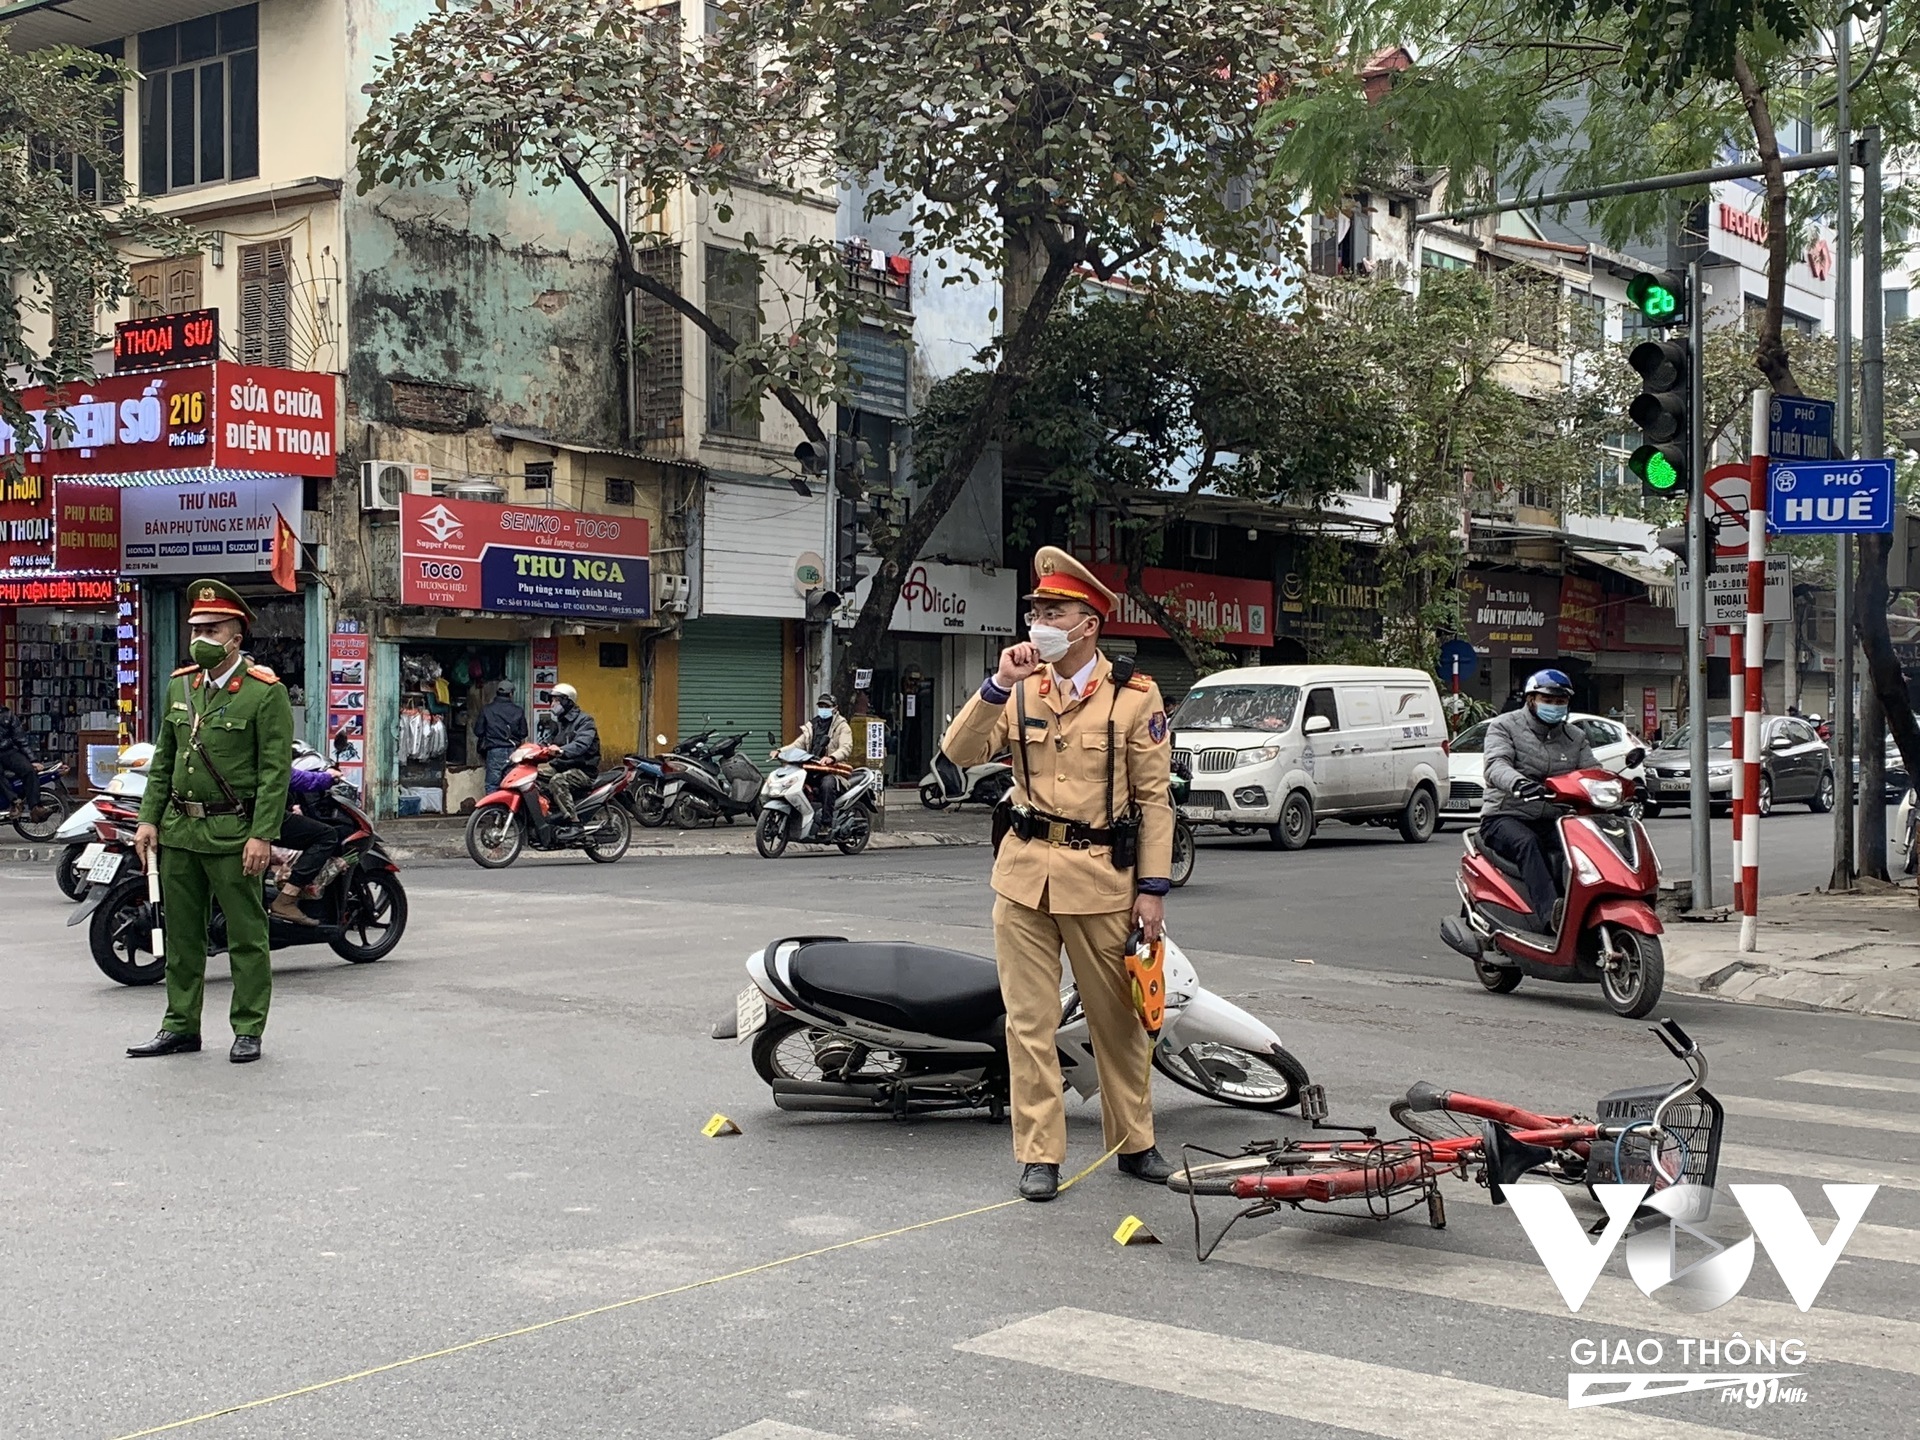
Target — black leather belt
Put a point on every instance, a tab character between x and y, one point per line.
195	810
1030	824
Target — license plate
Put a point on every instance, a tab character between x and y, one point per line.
749	1013
102	871
1199	812
87	857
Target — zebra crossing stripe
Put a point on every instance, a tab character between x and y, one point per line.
1877	1341
1841	1080
1901	1057
1302	1384
1842	1169
1843	1116
774	1430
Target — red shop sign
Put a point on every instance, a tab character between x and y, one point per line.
218	416
1222	609
86	526
26	523
57	590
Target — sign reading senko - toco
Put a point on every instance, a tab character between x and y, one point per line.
1853	497
473	555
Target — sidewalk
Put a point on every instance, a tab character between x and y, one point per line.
906	825
1859	953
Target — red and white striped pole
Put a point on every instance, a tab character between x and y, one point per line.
1756	673
1737	711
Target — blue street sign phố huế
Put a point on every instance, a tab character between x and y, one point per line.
1799	429
1837	498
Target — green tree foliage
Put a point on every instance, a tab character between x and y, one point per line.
62	252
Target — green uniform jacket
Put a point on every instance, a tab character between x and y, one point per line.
246	729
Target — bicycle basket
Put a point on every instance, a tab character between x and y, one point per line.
1695	1122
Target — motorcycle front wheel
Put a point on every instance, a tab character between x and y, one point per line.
55	799
1183	853
120	934
67	876
770	834
611	834
1632	986
373	916
494	837
1234	1076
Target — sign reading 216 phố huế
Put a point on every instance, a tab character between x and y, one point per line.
475	555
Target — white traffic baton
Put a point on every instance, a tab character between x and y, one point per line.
153	900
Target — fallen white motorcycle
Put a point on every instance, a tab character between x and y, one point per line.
789	816
889	1027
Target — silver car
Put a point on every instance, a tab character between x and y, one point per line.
1795	767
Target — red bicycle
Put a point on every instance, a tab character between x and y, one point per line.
1658	1135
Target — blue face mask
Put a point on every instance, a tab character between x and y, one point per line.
1550	714
823	714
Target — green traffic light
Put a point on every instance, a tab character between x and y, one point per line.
1653	298
1660	473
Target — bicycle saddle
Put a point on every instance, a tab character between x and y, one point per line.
1508	1159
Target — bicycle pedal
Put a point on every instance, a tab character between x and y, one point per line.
1313	1102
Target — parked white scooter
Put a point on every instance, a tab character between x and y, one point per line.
789	816
1903	833
890	1027
948	786
78	831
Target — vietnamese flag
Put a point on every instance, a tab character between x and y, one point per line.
286	552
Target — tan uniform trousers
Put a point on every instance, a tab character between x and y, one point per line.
1027	945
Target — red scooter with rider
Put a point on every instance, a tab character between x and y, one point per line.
1559	880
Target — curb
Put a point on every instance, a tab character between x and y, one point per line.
1837	974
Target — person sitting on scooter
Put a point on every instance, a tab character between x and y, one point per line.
827	736
306	829
16	760
573	769
1523	748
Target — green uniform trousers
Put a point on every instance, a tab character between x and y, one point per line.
188	880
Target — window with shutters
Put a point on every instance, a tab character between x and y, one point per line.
166	287
659	371
619	492
733	300
266	297
102	188
200	101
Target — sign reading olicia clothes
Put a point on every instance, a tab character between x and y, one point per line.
473	555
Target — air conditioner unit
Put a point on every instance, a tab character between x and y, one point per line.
383	482
675	593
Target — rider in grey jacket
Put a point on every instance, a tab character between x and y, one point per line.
1523	748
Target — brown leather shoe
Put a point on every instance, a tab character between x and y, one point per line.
286	906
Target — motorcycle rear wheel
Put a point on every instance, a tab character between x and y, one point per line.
859	830
787	1049
650	807
770	834
120	939
1234	1076
55	799
1183	854
495	837
610	835
72	883
933	797
684	813
375	910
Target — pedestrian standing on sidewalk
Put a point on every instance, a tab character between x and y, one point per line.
214	802
501	728
1084	863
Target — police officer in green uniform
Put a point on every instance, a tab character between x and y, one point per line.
219	791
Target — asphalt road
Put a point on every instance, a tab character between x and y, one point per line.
498	1128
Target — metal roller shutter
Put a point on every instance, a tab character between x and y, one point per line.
730	680
1163	660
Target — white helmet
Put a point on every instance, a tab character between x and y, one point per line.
564	691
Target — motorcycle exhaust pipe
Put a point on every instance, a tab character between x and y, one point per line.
830	1095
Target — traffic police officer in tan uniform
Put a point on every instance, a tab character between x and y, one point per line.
218	793
1090	774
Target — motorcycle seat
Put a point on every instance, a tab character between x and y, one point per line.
901	985
606	777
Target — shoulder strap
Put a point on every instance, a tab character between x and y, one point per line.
1020	740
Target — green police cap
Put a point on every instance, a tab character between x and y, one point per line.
209	600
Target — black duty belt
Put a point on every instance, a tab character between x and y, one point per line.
1031	824
195	810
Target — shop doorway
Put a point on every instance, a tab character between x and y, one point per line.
443	686
905	696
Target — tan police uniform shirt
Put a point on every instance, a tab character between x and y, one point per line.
1065	745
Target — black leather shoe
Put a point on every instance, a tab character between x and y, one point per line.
1039	1182
1148	1164
246	1049
165	1043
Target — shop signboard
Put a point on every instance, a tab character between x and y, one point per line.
941	599
1512	615
86	532
1581	605
348	660
26	523
1221	609
474	555
56	590
130	661
218	416
205	527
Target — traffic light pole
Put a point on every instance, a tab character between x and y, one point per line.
1843	862
1699	803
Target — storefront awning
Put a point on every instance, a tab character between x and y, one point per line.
1644	570
520	435
205	475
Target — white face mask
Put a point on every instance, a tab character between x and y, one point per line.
1051	641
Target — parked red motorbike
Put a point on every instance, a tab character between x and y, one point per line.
1609	934
521	813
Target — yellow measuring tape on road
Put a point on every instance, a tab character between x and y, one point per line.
607	1309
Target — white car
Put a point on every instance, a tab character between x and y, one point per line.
1466	760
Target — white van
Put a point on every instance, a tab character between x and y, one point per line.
1284	747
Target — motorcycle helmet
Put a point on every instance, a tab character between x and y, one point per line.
137	759
305	757
564	695
1550	682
